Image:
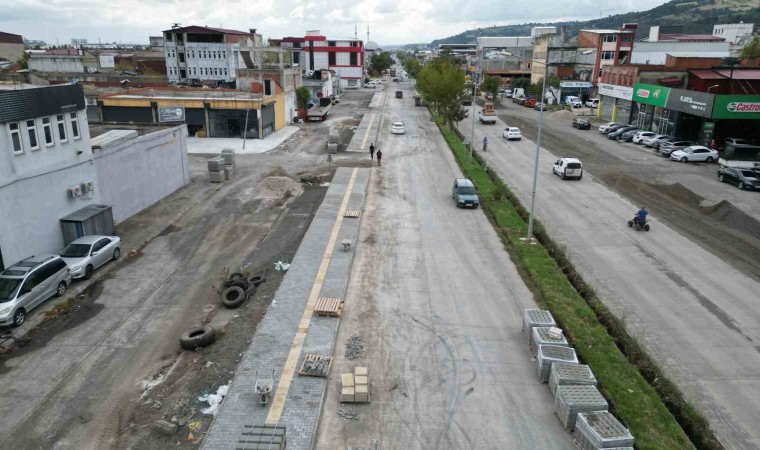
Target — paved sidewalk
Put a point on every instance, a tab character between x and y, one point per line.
252	145
290	330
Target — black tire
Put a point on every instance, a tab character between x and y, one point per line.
88	272
197	337
235	276
684	159
563	175
60	290
116	253
256	280
709	159
630	223
720	178
580	178
241	283
233	297
19	317
740	185
646	227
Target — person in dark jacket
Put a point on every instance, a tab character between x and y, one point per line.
372	151
379	156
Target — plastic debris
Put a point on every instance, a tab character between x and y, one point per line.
213	400
325	184
281	266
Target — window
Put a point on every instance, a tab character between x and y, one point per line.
225	72
15	132
74	125
610	38
47	130
608	55
224	55
181	57
61	128
331	43
352	59
31	129
331	58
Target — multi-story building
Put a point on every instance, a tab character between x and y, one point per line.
345	57
63	60
508	57
610	47
664	41
205	53
560	52
11	47
734	33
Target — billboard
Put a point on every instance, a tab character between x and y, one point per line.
106	61
651	94
740	107
613	90
690	102
171	114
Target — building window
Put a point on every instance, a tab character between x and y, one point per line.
181	57
224	55
331	58
31	130
352	59
331	43
225	72
608	55
61	128
610	38
74	125
47	130
18	148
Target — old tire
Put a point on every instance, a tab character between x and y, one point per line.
233	297
256	280
236	276
239	282
197	337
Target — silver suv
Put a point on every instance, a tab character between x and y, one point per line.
28	283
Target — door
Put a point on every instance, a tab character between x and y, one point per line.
558	167
98	253
34	289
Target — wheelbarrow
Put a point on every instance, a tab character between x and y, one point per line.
263	388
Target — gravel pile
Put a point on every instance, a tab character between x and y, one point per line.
355	348
348	414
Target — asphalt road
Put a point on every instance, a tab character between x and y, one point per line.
696	314
438	303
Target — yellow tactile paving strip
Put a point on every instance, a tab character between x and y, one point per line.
288	372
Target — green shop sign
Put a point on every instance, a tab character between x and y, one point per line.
736	107
651	94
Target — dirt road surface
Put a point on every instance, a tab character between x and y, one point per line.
694	313
438	305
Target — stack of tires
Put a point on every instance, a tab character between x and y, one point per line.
238	288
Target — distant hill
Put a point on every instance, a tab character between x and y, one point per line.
696	16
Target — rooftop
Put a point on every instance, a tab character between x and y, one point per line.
199	29
609	31
10	38
103	134
186	94
690	37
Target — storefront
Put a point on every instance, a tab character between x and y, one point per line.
736	116
615	103
581	89
673	112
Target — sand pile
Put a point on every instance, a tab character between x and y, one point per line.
277	190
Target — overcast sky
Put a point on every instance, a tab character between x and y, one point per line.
390	21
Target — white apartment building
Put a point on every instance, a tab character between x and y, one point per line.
345	57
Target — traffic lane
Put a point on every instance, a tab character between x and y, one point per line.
666	288
449	303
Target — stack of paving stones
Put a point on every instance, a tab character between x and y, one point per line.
562	374
536	318
574	399
228	155
548	355
601	430
262	437
215	170
355	386
540	335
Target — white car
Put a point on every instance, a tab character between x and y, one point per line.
639	137
568	168
695	153
603	128
511	133
573	102
87	253
592	103
398	128
652	141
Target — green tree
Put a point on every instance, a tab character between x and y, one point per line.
303	95
23	61
491	85
521	83
752	49
442	86
380	62
412	66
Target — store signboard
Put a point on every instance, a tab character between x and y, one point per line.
650	94
691	102
574	84
613	90
171	114
742	107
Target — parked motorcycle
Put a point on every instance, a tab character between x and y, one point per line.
636	225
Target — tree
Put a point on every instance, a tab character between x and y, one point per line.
752	49
303	95
23	61
521	83
491	86
442	86
412	67
381	62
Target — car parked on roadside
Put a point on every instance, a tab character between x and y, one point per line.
581	124
540	106
640	135
573	101
464	193
668	140
618	133
28	283
695	153
398	128
741	178
518	100
604	128
668	147
613	128
653	141
627	136
511	133
568	168
87	253
592	103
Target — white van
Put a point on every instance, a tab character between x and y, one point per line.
573	102
568	168
592	103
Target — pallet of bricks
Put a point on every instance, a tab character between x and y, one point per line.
355	386
262	437
579	405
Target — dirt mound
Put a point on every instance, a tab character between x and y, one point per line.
563	114
725	212
277	190
678	192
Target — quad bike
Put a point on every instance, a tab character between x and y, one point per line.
636	224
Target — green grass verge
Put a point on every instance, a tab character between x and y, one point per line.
639	395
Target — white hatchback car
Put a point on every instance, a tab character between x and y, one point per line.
511	133
639	137
695	153
603	128
568	168
398	128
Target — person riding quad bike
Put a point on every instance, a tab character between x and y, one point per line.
640	220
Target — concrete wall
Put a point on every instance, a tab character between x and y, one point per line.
290	107
135	174
656	52
11	52
56	63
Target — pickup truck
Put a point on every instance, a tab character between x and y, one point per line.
486	115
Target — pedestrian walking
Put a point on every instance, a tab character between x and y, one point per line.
379	156
372	151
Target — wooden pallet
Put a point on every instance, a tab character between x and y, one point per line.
331	307
352	213
311	357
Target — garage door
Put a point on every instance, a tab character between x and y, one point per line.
127	114
606	107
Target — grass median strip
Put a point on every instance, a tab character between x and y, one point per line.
639	394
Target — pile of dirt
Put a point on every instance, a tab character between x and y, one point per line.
726	213
563	114
276	190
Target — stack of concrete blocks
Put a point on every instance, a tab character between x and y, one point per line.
228	155
601	430
562	374
573	399
548	355
542	335
355	386
536	318
333	141
347	388
216	170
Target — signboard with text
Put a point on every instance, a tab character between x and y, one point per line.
613	90
651	94
171	114
574	84
746	107
690	102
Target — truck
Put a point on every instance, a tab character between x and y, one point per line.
486	114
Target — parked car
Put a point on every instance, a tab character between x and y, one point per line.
398	128
613	128
695	153
87	253
28	283
654	140
592	103
627	136
640	135
540	106
464	193
604	128
741	178
529	103
618	132
668	140
581	124
735	141
573	102
511	133
668	147
568	168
